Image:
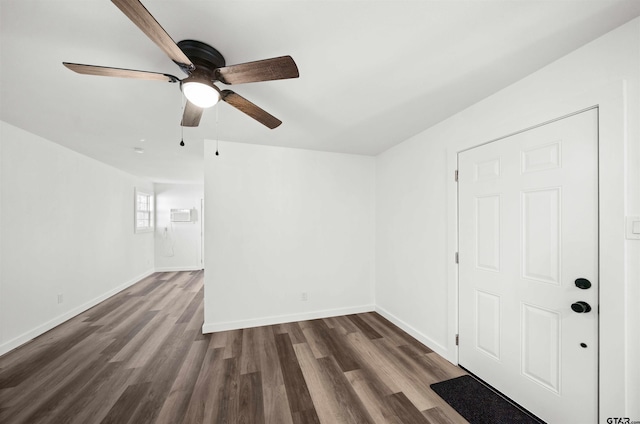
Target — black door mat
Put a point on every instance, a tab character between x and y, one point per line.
479	404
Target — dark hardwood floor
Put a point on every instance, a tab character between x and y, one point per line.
140	357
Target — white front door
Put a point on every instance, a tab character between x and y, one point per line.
528	237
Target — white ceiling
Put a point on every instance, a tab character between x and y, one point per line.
372	73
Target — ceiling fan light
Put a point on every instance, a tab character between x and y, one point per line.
200	94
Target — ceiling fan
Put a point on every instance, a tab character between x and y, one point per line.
203	64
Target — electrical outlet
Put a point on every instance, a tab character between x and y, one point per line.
304	296
60	298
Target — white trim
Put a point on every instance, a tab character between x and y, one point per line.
178	268
613	305
425	340
43	328
281	319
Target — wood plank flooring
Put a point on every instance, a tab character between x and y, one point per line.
140	357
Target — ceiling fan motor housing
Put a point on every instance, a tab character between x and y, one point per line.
205	58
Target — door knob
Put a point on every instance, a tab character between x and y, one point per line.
581	307
583	283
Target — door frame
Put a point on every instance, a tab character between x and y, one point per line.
613	128
202	233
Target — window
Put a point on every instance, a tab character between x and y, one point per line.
143	212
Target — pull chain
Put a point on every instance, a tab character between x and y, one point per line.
217	125
182	106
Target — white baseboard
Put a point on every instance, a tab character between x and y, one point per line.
43	328
178	268
281	319
425	340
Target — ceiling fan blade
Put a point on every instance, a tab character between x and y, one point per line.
244	105
262	70
191	116
140	16
106	71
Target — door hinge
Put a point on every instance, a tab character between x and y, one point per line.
457	258
457	339
456	175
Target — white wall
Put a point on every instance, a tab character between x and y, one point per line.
66	228
179	248
280	222
2	331
416	204
411	240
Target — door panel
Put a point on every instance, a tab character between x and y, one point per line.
528	229
541	346
541	235
488	233
488	323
